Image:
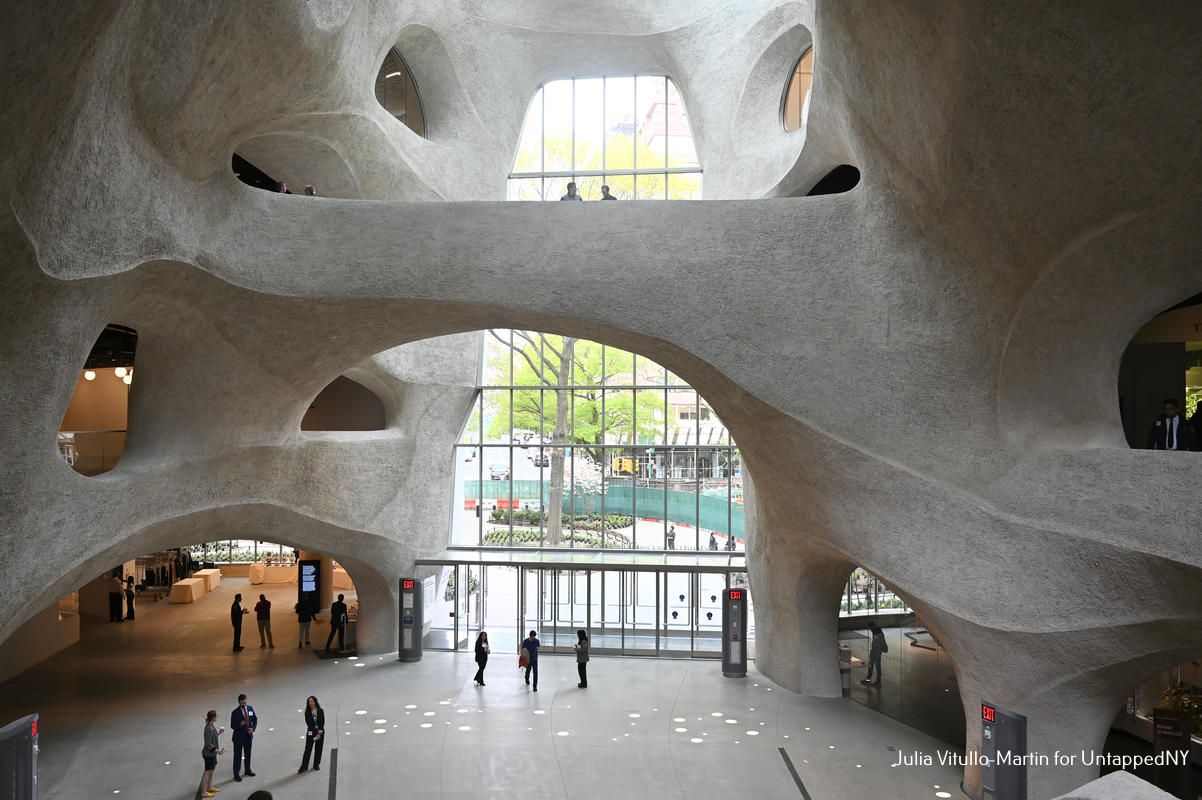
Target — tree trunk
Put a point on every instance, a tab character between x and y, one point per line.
559	438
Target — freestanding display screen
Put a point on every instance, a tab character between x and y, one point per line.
19	759
309	583
409	637
734	633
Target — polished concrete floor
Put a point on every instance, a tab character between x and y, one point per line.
122	714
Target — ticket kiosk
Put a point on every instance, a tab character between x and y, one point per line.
409	642
734	633
1003	754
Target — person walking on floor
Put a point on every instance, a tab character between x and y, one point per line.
581	648
530	647
236	614
337	624
878	646
713	542
315	725
212	748
243	723
481	656
116	592
129	597
303	616
263	617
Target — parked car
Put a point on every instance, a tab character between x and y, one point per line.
498	472
542	460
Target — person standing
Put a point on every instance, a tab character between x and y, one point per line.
481	656
243	723
731	543
303	616
263	617
1170	432
605	195
236	613
212	748
531	644
315	724
671	538
337	624
581	648
310	191
571	195
129	597
713	542
875	650
116	592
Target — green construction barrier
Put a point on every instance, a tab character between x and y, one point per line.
682	507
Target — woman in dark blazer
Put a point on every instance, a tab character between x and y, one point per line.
315	736
481	656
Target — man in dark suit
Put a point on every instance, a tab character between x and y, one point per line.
236	612
1170	432
243	722
337	623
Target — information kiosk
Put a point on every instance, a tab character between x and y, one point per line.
734	633
308	584
409	642
1003	754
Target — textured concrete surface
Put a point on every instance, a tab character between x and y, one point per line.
1117	786
921	372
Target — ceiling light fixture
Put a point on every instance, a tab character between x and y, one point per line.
119	372
89	375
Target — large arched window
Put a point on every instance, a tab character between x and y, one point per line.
573	443
631	133
797	93
397	92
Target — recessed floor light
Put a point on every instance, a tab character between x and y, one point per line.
678	719
540	711
379	721
465	727
715	713
731	721
634	715
427	725
561	733
427	713
360	712
942	794
695	740
680	730
380	730
753	733
411	706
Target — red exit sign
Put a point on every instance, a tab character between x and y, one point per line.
987	712
407	584
735	594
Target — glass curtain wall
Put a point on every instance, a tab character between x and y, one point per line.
573	443
631	133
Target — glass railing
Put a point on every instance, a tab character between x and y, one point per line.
91	452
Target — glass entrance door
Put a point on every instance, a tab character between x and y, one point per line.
641	605
679	614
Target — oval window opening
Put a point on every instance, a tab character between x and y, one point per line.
397	92
1160	381
91	436
796	105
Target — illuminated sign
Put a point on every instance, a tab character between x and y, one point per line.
735	594
987	712
308	577
407	583
34	729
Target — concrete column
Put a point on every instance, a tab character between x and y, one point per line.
325	574
796	588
